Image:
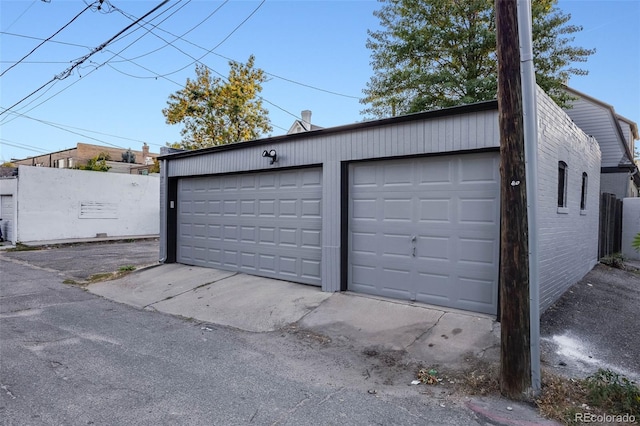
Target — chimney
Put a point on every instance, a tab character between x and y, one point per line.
145	151
306	119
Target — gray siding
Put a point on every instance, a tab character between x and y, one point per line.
598	121
440	135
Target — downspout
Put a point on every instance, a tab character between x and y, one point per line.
529	106
163	179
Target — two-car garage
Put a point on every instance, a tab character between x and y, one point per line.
423	228
406	207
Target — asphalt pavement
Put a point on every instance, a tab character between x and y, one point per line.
335	349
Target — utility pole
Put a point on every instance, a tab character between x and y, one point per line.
515	350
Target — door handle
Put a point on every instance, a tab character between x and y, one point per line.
413	242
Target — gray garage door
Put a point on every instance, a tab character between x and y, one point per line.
266	223
426	229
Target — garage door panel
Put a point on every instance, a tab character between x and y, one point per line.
478	210
311	238
434	210
452	212
479	170
438	285
438	173
364	209
266	223
431	247
477	251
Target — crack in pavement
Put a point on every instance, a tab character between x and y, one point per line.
425	332
150	305
286	415
6	389
30	265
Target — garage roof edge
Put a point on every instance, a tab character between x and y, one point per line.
426	115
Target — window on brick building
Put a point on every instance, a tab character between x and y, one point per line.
583	194
562	184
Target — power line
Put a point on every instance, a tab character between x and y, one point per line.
41	39
21	146
53	35
69	70
62	127
4	121
180	37
23	12
217	45
198	60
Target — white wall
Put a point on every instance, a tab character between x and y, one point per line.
630	226
56	204
568	239
8	208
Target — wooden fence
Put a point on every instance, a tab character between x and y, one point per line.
610	237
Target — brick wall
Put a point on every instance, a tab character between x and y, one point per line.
81	154
568	242
86	151
48	160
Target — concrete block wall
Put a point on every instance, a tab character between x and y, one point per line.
630	226
55	204
568	238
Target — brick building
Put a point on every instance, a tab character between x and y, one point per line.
73	158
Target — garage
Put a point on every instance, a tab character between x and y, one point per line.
426	229
263	223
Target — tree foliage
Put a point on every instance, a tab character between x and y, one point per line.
98	163
214	111
439	53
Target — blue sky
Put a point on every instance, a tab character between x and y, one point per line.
116	96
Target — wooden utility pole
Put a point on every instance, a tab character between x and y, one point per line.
515	353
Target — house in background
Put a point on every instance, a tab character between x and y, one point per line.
406	207
616	136
121	160
303	125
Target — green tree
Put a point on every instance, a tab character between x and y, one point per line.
216	112
98	163
433	54
155	168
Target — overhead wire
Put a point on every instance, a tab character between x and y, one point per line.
198	60
180	37
5	120
51	36
164	76
216	46
21	146
64	126
41	39
79	62
20	16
